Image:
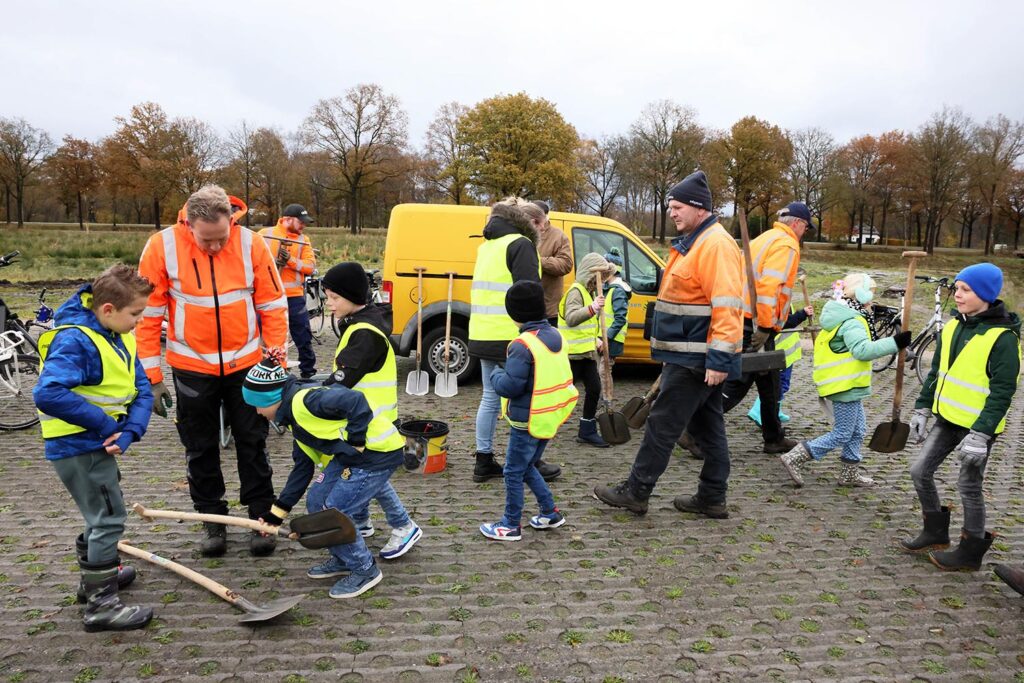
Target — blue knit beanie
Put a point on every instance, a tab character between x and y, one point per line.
985	279
614	256
264	383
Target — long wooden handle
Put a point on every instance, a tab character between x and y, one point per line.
654	388
419	315
217	589
448	321
751	283
604	341
908	300
807	302
253	524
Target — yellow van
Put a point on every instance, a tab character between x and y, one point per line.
445	238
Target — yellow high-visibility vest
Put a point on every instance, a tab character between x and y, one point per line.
838	372
583	337
554	395
488	320
380	389
609	318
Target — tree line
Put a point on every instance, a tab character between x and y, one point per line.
952	181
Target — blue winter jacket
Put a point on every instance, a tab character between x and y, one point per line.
515	381
74	360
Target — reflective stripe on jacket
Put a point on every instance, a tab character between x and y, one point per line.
380	389
489	321
789	341
554	395
113	395
962	389
776	258
838	372
583	337
216	305
301	260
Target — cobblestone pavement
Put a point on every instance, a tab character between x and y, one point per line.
796	585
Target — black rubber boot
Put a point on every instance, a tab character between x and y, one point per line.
934	536
216	542
125	574
548	471
966	557
588	434
1014	578
621	497
687	443
486	468
104	611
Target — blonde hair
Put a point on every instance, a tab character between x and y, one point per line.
209	203
119	285
854	281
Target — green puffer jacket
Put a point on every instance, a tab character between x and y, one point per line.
853	338
1003	363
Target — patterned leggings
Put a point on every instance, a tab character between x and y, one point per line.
847	431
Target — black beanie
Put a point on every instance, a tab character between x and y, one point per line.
524	302
693	190
348	280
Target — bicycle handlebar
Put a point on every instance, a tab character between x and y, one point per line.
6	260
944	281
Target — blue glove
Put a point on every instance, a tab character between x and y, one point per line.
973	450
919	424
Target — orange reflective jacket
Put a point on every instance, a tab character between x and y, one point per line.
301	261
776	256
216	305
698	315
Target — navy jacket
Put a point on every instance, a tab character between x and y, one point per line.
515	381
74	360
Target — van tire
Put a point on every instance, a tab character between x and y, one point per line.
462	365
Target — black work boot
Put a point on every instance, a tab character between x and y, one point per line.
216	542
934	536
589	435
966	557
548	471
687	443
621	496
104	611
486	468
261	546
125	575
783	445
699	506
1014	578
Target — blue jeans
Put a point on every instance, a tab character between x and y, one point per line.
487	413
521	466
784	377
392	506
847	432
302	336
351	496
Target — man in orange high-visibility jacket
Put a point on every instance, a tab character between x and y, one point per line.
776	256
295	262
696	332
218	286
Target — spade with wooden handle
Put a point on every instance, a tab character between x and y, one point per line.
418	384
613	425
445	384
891	437
638	408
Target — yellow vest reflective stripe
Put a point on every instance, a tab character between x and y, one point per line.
380	389
609	318
116	390
583	337
838	372
789	341
488	320
554	395
328	430
961	390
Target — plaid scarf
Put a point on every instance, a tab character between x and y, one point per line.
865	311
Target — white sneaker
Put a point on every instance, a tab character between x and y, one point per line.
366	530
402	540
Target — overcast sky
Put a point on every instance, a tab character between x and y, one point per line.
852	68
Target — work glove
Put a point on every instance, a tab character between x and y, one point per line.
758	339
919	424
161	399
902	339
276	514
282	256
973	450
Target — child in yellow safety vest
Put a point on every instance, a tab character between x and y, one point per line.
843	353
537	398
617	294
94	402
969	388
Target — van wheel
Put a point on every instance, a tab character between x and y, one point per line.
459	362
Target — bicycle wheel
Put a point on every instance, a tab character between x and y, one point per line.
885	362
18	377
923	359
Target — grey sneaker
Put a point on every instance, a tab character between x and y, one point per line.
794	460
402	540
850	475
366	529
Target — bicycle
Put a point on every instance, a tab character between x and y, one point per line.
316	304
19	374
920	351
9	320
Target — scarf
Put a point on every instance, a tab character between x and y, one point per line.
865	311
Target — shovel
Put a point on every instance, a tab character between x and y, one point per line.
254	613
638	408
756	361
418	384
891	437
613	426
822	403
445	384
318	530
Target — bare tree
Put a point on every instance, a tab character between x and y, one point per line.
241	154
270	171
998	144
75	171
23	149
446	167
199	151
813	167
601	168
941	147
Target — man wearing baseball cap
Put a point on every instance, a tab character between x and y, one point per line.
295	260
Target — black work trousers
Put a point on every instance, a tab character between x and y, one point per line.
684	402
199	399
768	389
585	370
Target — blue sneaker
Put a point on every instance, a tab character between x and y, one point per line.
356	583
366	529
402	540
501	532
547	520
328	569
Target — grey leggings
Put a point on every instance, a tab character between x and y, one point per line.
92	480
941	441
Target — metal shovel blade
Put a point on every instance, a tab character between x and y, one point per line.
631	407
890	437
613	426
639	417
274	608
330	521
317	540
418	383
445	385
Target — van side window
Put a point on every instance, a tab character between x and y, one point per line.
641	272
586	240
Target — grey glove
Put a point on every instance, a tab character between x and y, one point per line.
973	450
919	424
161	399
758	339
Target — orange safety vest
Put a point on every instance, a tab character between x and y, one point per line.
698	315
216	306
776	257
301	261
